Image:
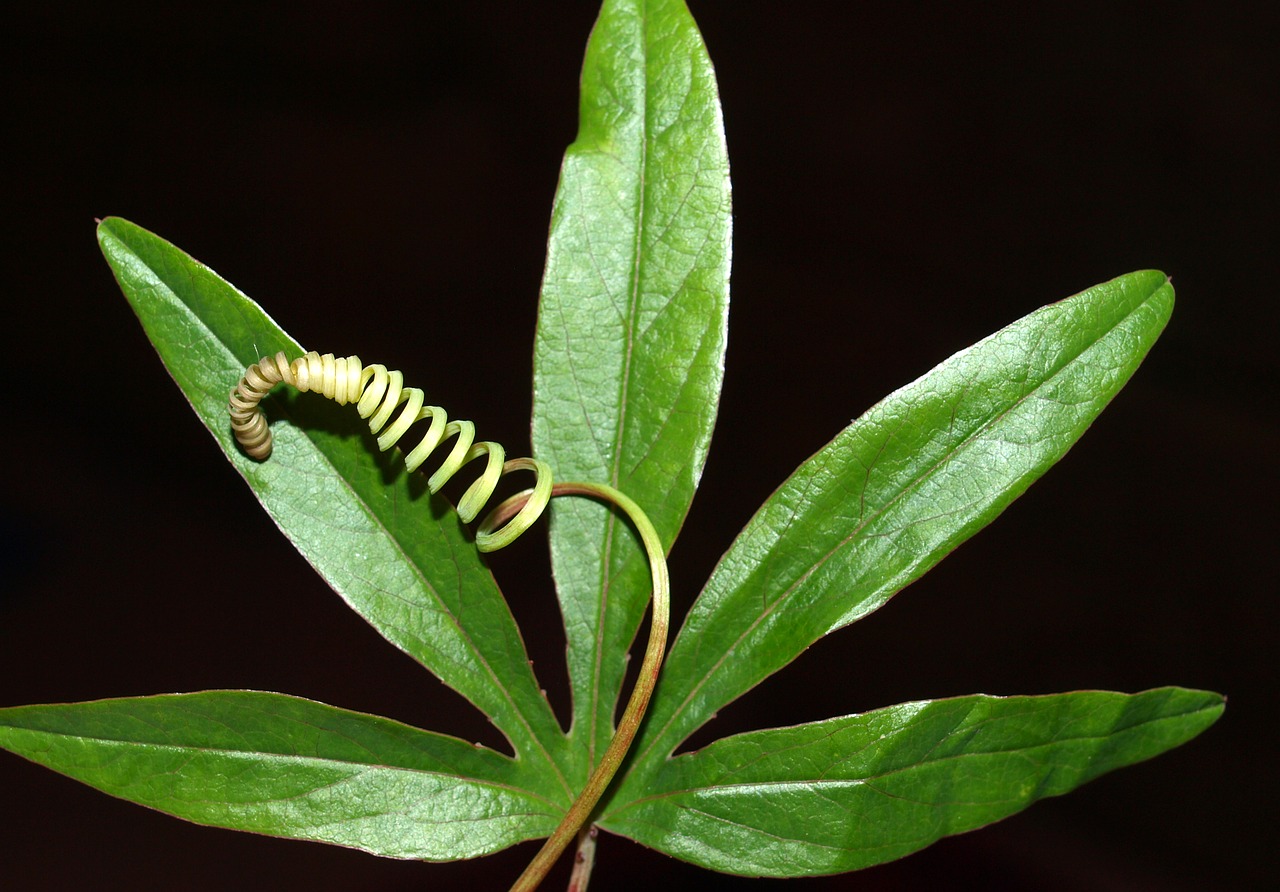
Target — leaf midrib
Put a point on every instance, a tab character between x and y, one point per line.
624	388
925	762
267	756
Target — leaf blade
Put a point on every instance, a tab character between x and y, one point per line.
415	578
900	488
632	323
289	767
851	792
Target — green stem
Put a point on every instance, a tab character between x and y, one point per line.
579	813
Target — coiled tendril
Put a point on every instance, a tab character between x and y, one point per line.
378	393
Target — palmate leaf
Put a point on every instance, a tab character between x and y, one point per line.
402	561
629	353
289	767
629	357
851	792
894	493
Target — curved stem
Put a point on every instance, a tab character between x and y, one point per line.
580	812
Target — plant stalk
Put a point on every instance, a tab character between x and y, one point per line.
577	818
584	859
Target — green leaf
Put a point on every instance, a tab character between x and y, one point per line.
289	767
401	560
851	792
629	354
900	488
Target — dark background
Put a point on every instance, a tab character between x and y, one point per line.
907	179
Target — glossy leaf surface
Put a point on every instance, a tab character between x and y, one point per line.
629	354
289	767
847	793
898	489
402	560
629	359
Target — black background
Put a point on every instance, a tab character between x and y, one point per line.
906	180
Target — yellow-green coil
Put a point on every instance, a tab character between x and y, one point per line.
378	394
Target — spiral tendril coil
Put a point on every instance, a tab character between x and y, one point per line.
378	393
